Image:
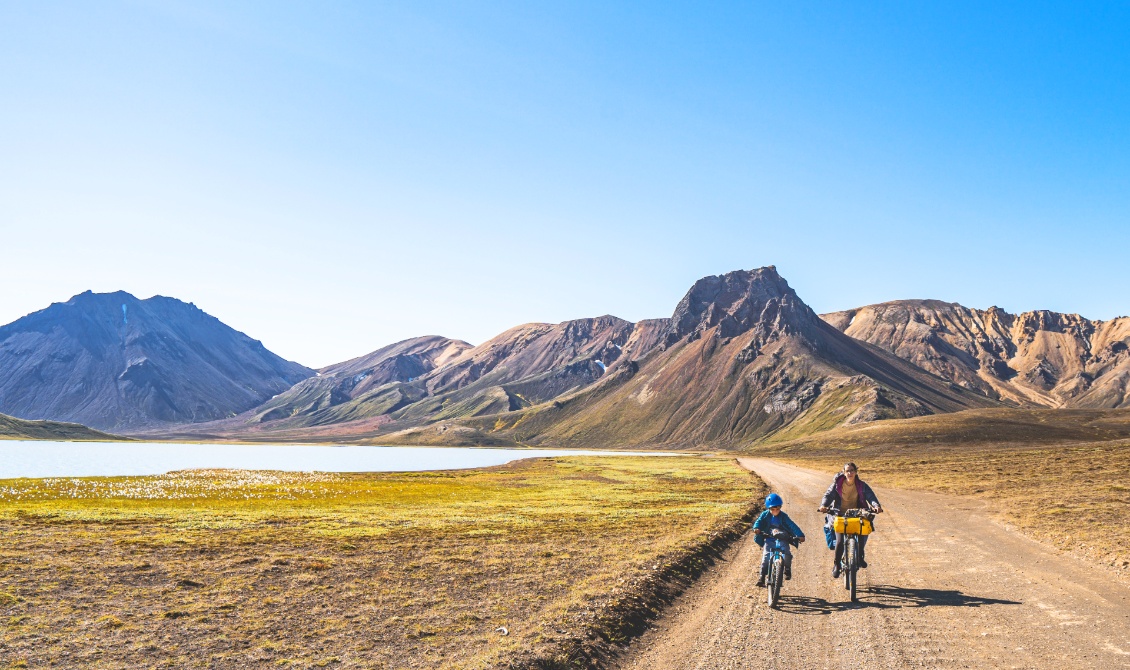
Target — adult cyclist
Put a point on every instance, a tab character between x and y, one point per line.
848	491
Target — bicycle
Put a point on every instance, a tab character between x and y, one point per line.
852	524
776	563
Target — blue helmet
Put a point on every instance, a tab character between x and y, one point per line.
773	500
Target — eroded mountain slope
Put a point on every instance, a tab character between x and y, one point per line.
1037	358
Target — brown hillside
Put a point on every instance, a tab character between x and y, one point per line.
354	389
743	357
1036	358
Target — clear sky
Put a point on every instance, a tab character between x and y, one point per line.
333	177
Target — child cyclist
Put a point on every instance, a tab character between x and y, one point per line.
769	520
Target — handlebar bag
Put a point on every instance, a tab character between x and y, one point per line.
852	525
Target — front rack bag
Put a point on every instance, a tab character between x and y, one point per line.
851	525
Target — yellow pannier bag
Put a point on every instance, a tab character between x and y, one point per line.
852	525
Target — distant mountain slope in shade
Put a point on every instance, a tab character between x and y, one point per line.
12	428
113	362
742	358
1037	358
353	389
439	379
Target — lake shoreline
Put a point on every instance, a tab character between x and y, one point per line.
120	459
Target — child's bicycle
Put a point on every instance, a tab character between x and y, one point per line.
773	543
852	523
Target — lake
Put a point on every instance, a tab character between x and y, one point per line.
115	459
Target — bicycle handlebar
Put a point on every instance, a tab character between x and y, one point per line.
855	513
780	536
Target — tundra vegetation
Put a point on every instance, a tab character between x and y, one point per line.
456	569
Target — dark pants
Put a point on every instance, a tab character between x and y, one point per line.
840	546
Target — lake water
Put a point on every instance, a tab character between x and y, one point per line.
113	459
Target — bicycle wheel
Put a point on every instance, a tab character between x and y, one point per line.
774	586
845	561
854	567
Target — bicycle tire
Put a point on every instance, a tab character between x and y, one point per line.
845	562
854	568
774	590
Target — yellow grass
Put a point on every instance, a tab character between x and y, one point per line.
254	569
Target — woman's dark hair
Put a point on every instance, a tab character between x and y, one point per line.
851	466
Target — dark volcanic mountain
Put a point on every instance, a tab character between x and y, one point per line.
114	362
1038	358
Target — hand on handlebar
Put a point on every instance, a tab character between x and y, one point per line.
822	509
800	539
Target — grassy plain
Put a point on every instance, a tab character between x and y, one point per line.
267	569
1059	476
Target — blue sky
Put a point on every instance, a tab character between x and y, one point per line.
332	177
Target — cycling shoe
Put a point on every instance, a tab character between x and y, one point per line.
835	571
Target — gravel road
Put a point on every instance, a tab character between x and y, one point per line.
945	588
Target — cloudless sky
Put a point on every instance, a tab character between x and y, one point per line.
333	177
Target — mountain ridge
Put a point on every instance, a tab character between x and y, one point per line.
1037	358
745	357
741	357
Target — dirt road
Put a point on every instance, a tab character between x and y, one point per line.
944	589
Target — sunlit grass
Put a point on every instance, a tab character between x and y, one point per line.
237	568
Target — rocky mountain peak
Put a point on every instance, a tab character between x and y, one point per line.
738	302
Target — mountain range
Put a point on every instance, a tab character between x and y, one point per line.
741	358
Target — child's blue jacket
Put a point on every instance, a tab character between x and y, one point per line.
762	524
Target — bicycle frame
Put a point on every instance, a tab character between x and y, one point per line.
773	545
849	558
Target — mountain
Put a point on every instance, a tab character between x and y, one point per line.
12	428
354	389
741	358
1033	359
436	378
114	362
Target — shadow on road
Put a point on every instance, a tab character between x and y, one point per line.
898	596
885	596
811	606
